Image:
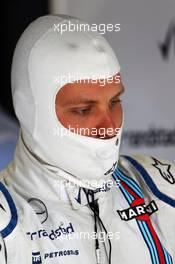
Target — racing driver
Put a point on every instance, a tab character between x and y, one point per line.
67	196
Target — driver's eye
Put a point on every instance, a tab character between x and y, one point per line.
115	102
82	111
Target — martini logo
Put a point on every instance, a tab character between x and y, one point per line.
165	45
36	258
164	170
139	211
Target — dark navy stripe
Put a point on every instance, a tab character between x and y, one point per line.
14	217
163	197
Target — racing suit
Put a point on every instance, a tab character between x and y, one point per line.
70	198
43	221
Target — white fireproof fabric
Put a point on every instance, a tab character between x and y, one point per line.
43	62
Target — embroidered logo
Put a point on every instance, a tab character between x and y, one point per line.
164	170
40	209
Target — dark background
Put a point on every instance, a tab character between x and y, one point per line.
18	15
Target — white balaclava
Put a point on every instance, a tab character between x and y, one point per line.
43	55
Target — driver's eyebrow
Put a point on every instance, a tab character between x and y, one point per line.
81	100
119	93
